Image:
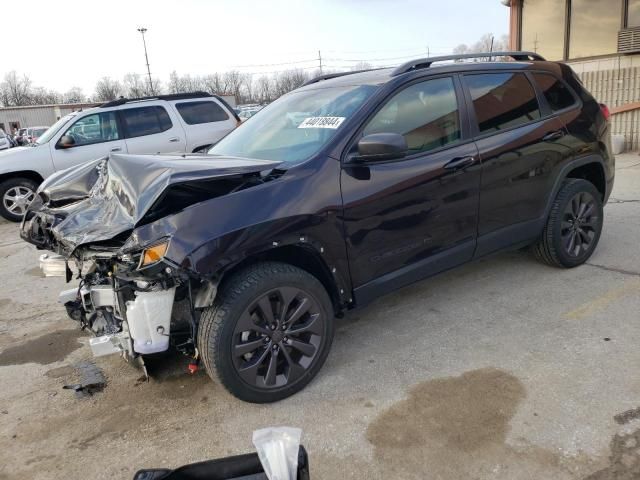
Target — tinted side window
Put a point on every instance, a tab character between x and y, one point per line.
556	92
145	121
194	113
94	128
502	100
426	114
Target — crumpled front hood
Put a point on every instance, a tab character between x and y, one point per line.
104	198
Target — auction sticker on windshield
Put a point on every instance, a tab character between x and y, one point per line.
321	122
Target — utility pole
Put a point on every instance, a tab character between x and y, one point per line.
491	49
428	52
142	30
320	61
535	44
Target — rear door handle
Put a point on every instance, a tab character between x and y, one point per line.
460	162
116	149
550	137
174	139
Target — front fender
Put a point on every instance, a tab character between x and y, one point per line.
292	236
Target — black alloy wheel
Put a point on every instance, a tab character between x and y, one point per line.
277	338
268	332
574	225
579	224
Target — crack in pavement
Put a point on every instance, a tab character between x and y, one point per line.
615	200
613	269
630	166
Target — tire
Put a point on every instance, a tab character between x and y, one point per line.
23	189
574	225
240	341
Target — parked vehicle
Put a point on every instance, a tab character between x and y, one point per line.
180	123
5	142
20	137
33	133
242	259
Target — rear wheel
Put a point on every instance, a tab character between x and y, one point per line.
574	225
16	195
268	333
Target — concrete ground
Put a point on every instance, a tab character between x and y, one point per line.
502	369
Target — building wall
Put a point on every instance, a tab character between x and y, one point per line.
617	88
36	116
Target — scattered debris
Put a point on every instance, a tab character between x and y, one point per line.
626	417
92	380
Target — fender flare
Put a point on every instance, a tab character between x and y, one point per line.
562	175
337	281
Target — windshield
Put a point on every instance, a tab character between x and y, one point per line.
52	130
295	126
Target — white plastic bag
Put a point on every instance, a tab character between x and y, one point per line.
278	449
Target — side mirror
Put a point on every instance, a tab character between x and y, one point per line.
66	141
381	146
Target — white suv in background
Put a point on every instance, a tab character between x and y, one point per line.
180	123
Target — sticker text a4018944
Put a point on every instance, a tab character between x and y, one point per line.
321	122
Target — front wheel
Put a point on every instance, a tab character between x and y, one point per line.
268	333
16	195
573	227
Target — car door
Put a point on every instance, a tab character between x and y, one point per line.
94	135
151	129
409	218
519	147
206	122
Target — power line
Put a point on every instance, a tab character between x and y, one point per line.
275	64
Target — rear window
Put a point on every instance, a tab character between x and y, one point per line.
145	121
555	91
502	100
194	113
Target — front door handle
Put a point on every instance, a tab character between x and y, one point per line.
460	162
116	149
550	137
174	139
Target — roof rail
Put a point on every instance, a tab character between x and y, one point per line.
172	96
329	76
426	62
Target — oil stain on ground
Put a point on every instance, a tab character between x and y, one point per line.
624	460
456	428
44	350
34	272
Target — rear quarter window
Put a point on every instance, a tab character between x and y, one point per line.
194	113
502	100
145	121
555	91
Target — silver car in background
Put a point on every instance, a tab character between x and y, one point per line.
4	141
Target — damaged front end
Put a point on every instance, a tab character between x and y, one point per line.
135	298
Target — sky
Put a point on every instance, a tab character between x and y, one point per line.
65	43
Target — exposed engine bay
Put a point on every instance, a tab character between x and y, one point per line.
132	295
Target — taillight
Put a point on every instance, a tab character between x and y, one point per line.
605	111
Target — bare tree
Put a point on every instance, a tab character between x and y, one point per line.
16	90
212	83
289	80
42	96
175	83
107	89
461	49
74	95
362	66
134	86
265	89
232	82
